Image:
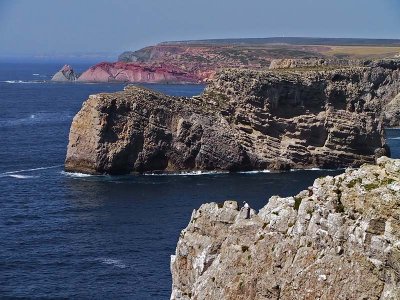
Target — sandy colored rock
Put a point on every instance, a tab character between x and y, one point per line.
65	74
337	240
245	120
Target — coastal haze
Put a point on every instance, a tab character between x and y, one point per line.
47	29
235	102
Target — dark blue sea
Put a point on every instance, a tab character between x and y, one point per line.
96	237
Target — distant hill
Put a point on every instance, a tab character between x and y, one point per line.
199	60
292	41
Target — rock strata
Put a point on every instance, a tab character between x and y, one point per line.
65	74
245	120
136	72
340	239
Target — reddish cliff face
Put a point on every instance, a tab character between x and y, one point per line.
136	72
196	61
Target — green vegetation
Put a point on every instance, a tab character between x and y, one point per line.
353	182
297	202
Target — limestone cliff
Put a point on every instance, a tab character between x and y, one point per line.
65	74
245	120
340	239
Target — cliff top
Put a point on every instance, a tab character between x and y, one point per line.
339	239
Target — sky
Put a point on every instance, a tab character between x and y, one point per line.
61	27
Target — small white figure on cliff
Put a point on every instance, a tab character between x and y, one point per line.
246	206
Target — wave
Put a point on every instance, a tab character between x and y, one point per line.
11	173
394	138
191	173
113	262
35	74
40	117
77	174
255	172
23	81
22	176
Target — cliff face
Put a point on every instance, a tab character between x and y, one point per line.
65	74
244	120
370	88
340	239
134	72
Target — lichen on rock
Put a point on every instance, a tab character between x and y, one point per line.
340	239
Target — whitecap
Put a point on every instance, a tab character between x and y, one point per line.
395	138
35	74
22	176
76	174
113	262
22	81
11	173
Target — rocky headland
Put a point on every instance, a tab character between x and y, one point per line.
198	61
339	239
245	120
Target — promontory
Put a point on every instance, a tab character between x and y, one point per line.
245	120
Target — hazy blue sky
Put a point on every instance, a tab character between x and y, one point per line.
37	27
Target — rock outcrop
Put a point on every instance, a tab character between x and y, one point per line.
244	120
340	239
65	74
316	63
135	72
391	112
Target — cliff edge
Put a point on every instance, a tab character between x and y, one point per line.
245	120
340	239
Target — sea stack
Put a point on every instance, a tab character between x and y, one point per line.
245	120
65	74
339	239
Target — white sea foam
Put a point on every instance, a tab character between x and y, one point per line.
192	173
113	262
76	174
35	74
395	138
22	81
255	172
11	173
22	176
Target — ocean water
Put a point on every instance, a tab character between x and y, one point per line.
74	236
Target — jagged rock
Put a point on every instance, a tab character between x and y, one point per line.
392	112
244	120
340	239
286	63
65	74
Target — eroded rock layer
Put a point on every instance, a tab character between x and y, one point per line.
65	74
136	72
340	239
244	120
